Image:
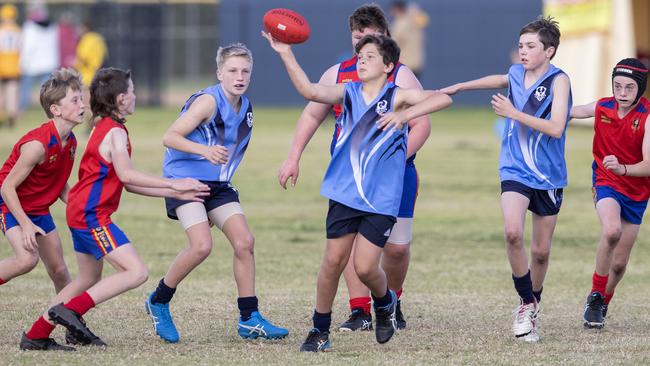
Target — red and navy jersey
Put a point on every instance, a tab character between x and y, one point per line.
45	182
623	138
97	193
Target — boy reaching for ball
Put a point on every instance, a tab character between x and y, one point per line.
365	177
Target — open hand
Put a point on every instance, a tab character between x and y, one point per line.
502	106
277	46
216	154
391	120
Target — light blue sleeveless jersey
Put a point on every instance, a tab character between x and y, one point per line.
529	156
367	168
226	128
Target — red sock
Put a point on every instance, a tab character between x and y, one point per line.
599	283
608	298
399	293
2	282
81	304
361	302
40	329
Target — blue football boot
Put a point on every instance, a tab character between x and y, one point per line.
257	326
162	320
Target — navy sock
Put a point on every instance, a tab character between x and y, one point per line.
538	295
382	302
247	305
322	322
524	287
163	293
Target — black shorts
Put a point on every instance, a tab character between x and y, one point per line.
220	194
542	202
343	220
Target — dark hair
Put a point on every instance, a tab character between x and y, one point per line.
388	49
107	84
547	30
369	16
56	88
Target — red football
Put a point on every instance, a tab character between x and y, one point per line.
286	25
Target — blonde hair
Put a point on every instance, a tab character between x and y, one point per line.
233	50
56	87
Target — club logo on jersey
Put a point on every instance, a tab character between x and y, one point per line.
382	107
52	158
605	119
249	119
540	93
635	125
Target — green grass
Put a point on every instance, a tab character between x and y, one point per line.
458	295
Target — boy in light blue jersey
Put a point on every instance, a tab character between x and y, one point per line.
532	168
207	142
365	177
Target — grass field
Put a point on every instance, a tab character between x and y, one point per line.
458	295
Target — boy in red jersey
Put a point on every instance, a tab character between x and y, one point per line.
621	179
105	168
34	176
367	19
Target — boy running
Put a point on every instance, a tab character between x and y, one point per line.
365	176
367	19
532	168
621	183
34	176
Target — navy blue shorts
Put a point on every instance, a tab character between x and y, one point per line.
342	220
631	211
220	194
409	192
542	202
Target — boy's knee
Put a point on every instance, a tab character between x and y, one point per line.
245	247
540	255
612	234
202	249
397	253
26	263
514	236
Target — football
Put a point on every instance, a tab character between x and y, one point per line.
286	26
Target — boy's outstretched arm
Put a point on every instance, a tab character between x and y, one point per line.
314	92
553	127
640	169
486	82
420	102
584	111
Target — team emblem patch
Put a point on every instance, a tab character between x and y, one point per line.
635	125
382	107
52	158
540	93
249	119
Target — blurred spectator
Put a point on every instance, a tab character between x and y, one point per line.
9	64
407	30
68	39
39	55
91	53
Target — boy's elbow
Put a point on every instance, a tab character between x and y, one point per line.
167	139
